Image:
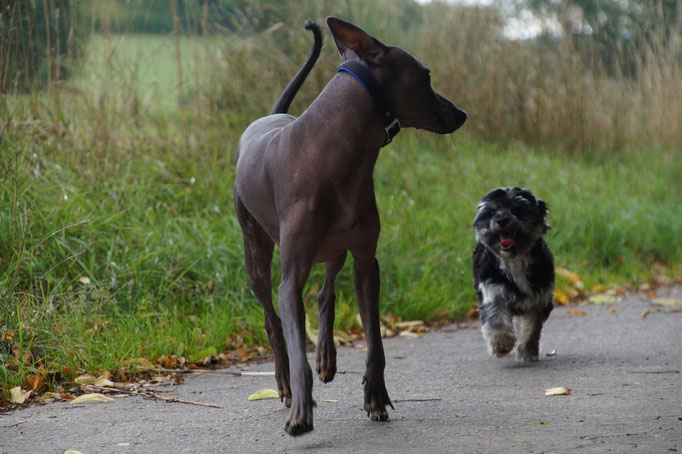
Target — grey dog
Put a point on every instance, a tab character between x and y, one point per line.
306	184
513	271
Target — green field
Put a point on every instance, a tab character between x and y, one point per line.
118	238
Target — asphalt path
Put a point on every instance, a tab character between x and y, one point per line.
622	364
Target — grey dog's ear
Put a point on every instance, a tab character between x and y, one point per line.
351	39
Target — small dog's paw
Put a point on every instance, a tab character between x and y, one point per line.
526	353
501	342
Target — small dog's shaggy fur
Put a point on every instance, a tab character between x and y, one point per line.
513	271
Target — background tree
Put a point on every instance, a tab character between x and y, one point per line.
618	35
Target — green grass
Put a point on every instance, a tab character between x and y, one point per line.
139	202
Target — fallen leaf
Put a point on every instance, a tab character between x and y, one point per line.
18	395
101	381
665	302
72	451
264	394
570	276
645	312
552	353
576	313
409	324
140	363
7	336
651	294
540	422
408	334
332	401
602	299
560	296
597	288
36	382
67	396
84	280
85	380
93	397
242	354
559	391
611	310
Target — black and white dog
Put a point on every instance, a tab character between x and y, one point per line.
513	271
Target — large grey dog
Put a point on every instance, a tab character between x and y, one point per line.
306	185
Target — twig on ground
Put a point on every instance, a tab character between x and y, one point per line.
174	399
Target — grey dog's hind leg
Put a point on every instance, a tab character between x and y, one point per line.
258	248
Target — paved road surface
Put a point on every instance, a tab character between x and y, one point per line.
624	371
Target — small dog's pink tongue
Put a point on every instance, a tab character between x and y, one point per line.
505	241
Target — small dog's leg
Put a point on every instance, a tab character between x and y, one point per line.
366	281
258	248
529	327
325	355
497	329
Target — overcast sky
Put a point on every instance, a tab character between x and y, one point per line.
524	25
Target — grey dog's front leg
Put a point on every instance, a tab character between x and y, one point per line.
497	329
528	329
325	355
366	280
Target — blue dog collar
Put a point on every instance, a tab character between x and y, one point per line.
367	80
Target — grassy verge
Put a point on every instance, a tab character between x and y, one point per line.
138	253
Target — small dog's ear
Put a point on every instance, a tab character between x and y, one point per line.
543	209
351	40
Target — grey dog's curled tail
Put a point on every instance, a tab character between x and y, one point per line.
284	101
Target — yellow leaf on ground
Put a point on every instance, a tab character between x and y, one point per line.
559	391
409	324
72	451
665	302
18	395
94	397
560	296
264	394
602	299
84	280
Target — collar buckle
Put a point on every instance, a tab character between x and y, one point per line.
392	129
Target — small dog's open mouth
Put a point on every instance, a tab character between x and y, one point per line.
506	241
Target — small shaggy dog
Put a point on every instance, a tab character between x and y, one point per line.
513	271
